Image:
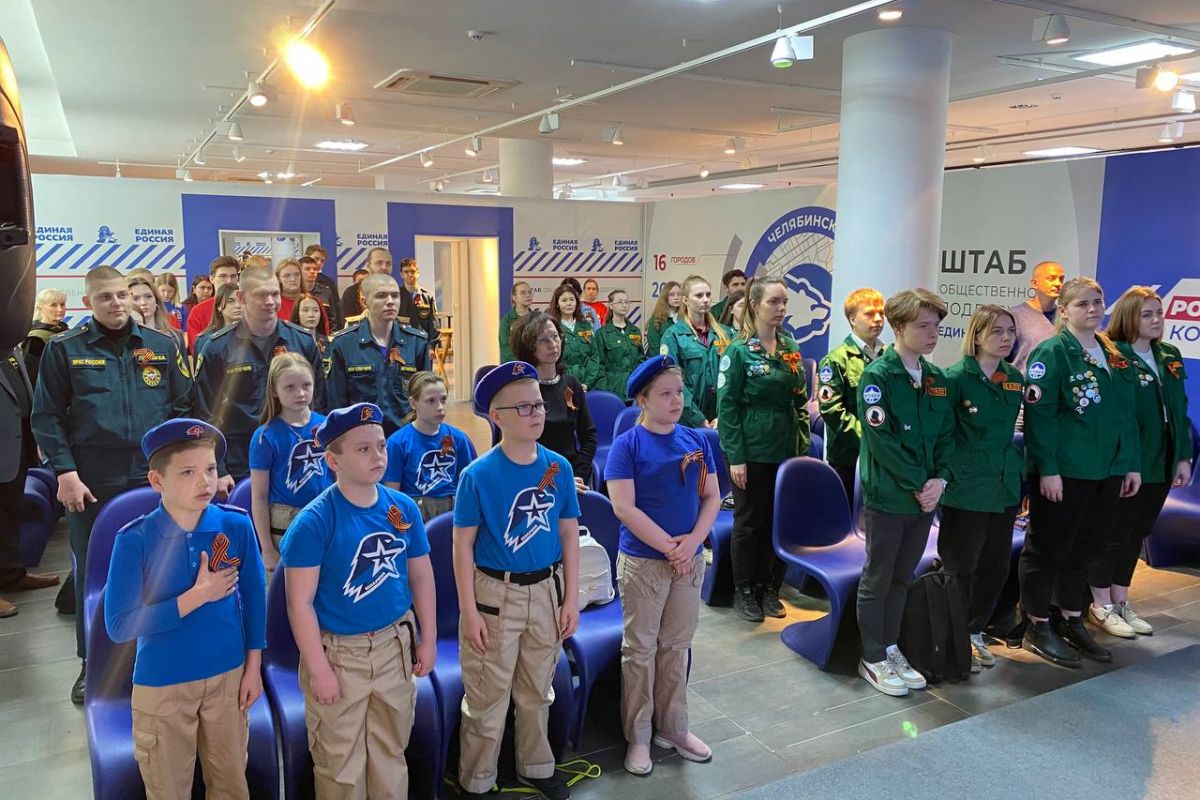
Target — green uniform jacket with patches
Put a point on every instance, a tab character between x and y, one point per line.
360	373
93	402
718	308
654	335
1165	438
620	352
762	402
907	432
699	365
1079	417
986	468
579	354
506	323
837	396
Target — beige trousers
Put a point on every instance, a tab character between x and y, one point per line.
660	609
433	506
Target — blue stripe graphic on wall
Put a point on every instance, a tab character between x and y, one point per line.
42	258
544	261
128	252
72	250
158	258
348	262
75	264
147	251
174	260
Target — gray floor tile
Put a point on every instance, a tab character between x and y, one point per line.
65	776
30	688
36	646
51	729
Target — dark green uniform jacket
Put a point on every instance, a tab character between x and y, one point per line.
1164	430
699	365
986	468
1079	417
620	352
579	355
837	395
94	402
762	402
907	430
506	323
654	334
360	371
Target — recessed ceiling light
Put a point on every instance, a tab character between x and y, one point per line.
1023	106
1059	152
348	145
703	171
1167	135
741	186
890	14
264	174
1133	54
567	161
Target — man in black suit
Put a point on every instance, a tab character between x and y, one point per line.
17	452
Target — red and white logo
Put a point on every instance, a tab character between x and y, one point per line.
1181	312
195	432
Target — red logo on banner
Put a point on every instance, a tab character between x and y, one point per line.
1184	307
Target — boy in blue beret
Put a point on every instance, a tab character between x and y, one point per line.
516	566
187	582
356	562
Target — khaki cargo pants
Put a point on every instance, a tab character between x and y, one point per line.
171	724
522	655
358	743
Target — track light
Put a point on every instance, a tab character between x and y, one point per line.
474	146
489	176
198	159
237	155
184	175
235	132
549	123
1167	135
258	94
1183	102
1166	80
781	54
565	193
426	160
617	139
439	186
344	113
1051	30
1178	135
734	144
890	14
703	171
980	156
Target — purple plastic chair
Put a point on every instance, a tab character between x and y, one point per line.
626	419
37	522
240	495
479	373
717	587
1174	538
813	531
47	477
116	514
281	683
604	407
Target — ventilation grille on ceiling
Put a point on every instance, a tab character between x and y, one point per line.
407	81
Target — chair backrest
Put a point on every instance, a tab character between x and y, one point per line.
479	373
240	495
810	373
596	512
604	406
110	665
625	420
816	446
724	484
281	644
810	505
440	532
118	512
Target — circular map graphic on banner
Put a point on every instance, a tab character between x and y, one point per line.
798	249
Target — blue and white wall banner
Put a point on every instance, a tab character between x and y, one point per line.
614	263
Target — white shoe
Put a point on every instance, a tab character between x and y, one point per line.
980	652
881	675
1132	619
1109	620
912	679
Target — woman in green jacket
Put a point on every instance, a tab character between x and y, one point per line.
1081	446
697	342
762	410
579	355
665	314
522	301
619	343
984	488
1165	446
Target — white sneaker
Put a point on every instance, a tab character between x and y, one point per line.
912	679
980	651
1108	618
881	675
1132	619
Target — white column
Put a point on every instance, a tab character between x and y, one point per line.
891	160
525	168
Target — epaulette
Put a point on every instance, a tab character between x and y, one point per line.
221	331
409	329
68	334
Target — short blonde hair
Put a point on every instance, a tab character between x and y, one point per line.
981	322
1125	323
48	296
255	274
1070	290
904	307
860	298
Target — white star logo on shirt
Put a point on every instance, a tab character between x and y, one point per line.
383	558
535	514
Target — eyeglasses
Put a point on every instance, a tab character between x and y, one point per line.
553	338
525	409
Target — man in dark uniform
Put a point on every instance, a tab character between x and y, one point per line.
101	387
231	372
351	299
424	307
374	359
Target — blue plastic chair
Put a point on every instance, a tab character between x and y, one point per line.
479	373
604	408
116	514
717	587
625	420
37	522
50	481
281	683
108	719
240	495
1175	537
596	643
813	531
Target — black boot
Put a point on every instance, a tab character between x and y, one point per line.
77	689
768	599
1041	640
1074	631
746	605
65	601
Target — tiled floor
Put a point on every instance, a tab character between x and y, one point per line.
764	711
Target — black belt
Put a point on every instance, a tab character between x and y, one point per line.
520	578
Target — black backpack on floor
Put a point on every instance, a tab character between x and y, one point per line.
934	637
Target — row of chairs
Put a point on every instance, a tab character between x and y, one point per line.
40	511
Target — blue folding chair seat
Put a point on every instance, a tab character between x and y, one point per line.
625	420
717	587
240	495
604	408
116	514
37	522
1175	537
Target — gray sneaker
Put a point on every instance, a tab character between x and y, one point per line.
1132	619
980	650
881	675
912	679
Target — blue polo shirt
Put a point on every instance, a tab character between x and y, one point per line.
363	554
428	466
665	469
295	461
517	508
153	562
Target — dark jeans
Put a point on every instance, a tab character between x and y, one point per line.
977	547
846	473
895	544
1135	517
12	499
751	550
1062	538
237	455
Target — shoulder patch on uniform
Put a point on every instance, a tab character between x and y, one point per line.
663	350
875	416
1037	370
721	380
1033	393
872	394
826	374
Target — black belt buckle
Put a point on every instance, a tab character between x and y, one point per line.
519	578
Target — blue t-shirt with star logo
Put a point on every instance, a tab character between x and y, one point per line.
292	457
363	554
517	508
428	466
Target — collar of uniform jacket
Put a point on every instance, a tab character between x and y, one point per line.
95	333
890	359
365	337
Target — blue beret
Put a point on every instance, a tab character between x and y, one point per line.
645	373
344	420
496	379
174	431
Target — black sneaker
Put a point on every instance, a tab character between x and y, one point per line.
77	689
1041	640
768	598
1074	631
463	794
746	605
552	788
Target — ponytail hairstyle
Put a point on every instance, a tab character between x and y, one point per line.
416	385
722	337
662	309
641	417
1070	290
279	364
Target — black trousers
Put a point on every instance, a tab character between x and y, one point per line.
751	550
12	500
977	547
846	473
1062	539
1135	518
895	544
